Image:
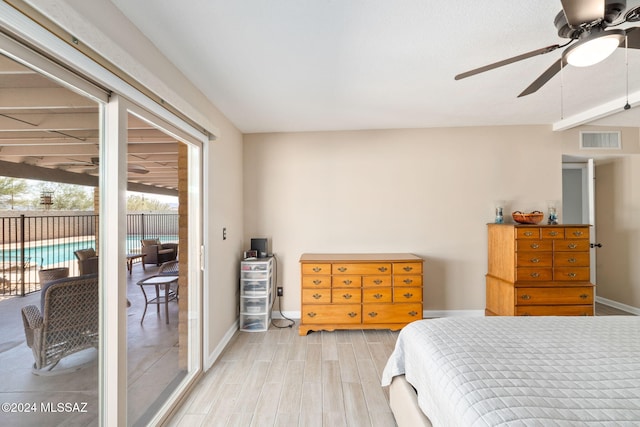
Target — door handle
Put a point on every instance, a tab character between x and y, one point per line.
595	245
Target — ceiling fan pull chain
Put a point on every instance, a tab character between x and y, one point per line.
626	64
561	90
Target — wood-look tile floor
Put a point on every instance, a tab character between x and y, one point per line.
278	378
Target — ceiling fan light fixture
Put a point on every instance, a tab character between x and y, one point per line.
594	48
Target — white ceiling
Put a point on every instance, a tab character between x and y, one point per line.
302	65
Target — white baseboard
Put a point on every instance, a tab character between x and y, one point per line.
618	305
213	356
427	314
286	314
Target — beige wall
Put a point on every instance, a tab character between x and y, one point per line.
618	229
429	192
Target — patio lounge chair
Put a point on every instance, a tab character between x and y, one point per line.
65	323
158	253
87	261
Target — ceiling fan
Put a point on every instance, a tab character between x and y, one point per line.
92	166
584	22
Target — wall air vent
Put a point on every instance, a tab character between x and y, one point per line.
600	140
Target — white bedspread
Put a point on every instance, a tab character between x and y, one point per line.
539	371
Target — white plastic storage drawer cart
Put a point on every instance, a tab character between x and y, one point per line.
256	294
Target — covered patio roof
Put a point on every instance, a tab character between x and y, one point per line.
48	132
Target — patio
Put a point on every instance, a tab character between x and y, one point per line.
152	366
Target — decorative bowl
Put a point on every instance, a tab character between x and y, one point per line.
527	218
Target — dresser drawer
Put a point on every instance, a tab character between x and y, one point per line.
571	245
552	233
346	281
346	296
534	259
407	280
577	274
361	269
571	259
316	296
554	310
391	313
316	269
376	281
576	233
534	246
377	295
407	268
579	295
407	294
331	313
316	281
534	274
527	233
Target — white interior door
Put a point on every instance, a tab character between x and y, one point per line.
591	203
578	200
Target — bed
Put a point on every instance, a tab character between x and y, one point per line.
508	371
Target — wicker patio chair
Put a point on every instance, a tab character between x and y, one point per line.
87	261
65	323
158	253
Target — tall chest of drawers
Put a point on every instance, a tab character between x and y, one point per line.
359	291
539	270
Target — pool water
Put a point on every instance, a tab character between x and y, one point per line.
62	252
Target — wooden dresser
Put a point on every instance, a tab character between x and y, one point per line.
360	291
539	270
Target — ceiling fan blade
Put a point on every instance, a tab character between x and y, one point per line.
135	168
633	38
582	11
544	78
507	61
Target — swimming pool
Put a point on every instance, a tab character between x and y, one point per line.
36	254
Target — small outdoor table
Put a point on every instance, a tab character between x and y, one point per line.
133	257
157	282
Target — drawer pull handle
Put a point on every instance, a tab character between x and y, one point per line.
347	296
572	274
407	268
311	314
378	296
535	246
408	281
412	313
553	233
535	260
317	296
528	233
352	314
382	269
377	281
535	274
373	314
407	295
572	260
317	282
342	269
525	314
347	282
317	269
584	296
572	246
526	297
577	233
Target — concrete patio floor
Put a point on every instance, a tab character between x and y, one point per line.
152	366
